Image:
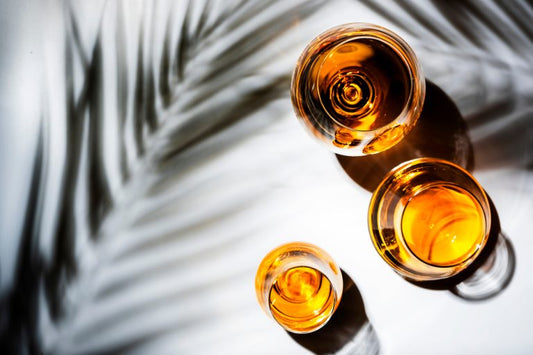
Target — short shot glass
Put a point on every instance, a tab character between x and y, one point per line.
429	219
299	286
358	88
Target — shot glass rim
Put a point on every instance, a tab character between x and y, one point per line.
337	290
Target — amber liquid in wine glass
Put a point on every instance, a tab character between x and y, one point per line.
299	285
358	88
429	219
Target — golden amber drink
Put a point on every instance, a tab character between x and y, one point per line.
358	88
299	285
429	219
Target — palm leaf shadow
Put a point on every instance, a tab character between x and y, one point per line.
480	53
186	89
160	113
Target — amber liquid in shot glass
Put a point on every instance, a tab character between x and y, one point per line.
358	88
429	219
299	285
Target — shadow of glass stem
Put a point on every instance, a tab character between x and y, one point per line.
440	132
348	331
489	274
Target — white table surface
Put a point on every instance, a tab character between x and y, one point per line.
264	181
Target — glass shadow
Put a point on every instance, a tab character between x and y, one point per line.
348	329
440	132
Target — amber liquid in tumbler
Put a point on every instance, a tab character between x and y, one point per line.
429	219
362	84
443	224
301	298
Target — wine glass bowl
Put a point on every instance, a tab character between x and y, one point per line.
358	88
